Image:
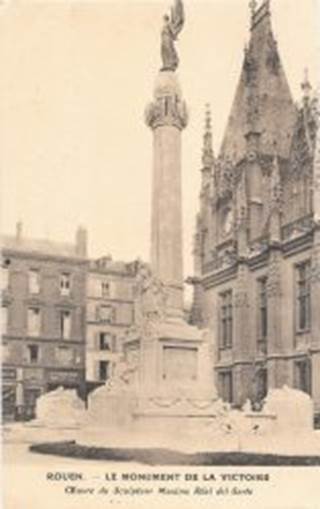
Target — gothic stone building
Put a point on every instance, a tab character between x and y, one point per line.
43	319
257	242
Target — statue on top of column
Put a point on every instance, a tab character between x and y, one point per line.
173	25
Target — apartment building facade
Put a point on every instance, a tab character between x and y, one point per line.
43	319
110	311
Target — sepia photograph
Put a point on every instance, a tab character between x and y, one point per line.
160	254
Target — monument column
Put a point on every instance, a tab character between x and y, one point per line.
167	117
173	356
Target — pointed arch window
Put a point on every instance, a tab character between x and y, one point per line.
303	296
263	309
226	320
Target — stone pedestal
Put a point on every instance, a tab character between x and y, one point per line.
174	360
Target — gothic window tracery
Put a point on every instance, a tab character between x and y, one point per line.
303	291
226	320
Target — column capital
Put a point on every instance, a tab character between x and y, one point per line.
167	108
167	111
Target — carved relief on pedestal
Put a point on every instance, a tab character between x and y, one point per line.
122	376
151	298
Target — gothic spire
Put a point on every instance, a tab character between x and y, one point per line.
207	150
306	87
257	13
253	6
263	105
316	173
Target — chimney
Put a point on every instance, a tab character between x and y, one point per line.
19	227
81	241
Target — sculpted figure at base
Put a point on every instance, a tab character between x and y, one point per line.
122	375
150	301
173	25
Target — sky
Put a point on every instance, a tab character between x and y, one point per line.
76	78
